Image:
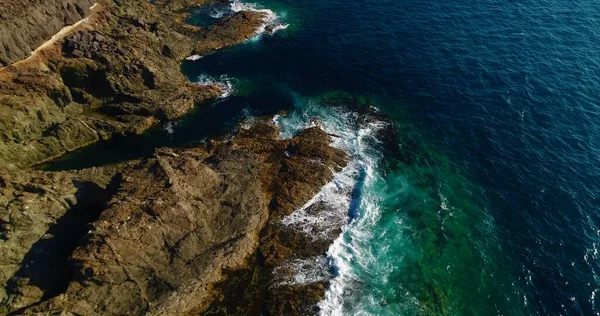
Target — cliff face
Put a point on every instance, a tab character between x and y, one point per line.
25	25
118	73
42	216
174	226
183	232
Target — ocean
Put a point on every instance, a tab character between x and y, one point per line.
473	128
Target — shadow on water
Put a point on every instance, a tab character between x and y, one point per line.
207	121
356	195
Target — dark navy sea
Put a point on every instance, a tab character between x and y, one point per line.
487	199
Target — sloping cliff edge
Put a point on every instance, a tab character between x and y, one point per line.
116	70
186	231
158	235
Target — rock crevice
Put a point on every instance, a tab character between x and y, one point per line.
117	74
27	24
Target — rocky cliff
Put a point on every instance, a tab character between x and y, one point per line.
163	232
186	231
25	25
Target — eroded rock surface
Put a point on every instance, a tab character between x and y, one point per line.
27	24
41	217
176	225
118	73
182	232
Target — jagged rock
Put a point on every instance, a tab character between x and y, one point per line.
26	24
166	235
124	62
174	227
229	30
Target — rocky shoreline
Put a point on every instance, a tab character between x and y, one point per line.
118	73
186	231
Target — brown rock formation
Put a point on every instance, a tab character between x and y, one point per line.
292	182
176	224
25	25
116	74
178	233
41	216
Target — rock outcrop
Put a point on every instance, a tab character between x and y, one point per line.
175	227
187	231
119	73
25	25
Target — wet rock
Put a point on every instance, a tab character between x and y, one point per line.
39	20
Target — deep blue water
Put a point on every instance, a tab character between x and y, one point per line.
490	204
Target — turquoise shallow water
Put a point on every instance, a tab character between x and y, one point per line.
481	194
419	239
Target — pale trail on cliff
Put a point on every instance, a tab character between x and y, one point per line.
224	83
349	201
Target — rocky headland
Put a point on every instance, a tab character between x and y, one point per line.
117	71
158	235
186	231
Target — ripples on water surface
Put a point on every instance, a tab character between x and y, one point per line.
486	200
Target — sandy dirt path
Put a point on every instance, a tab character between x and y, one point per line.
56	37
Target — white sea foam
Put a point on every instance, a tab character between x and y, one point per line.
302	271
271	21
279	27
170	127
248	119
346	251
224	83
193	57
332	202
336	200
218	13
276	118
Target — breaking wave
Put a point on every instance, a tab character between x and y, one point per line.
194	57
272	22
302	271
224	83
349	201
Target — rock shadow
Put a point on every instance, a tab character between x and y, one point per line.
46	266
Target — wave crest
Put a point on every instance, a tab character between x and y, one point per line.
271	22
224	83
